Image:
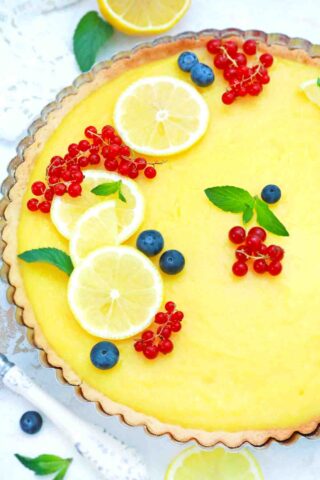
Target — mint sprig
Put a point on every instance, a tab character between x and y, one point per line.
318	81
90	34
238	200
54	256
109	188
46	464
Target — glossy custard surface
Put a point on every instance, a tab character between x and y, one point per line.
248	356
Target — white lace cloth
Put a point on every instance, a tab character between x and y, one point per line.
42	52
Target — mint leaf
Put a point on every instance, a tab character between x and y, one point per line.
230	199
247	214
267	219
46	464
90	34
54	256
106	189
318	81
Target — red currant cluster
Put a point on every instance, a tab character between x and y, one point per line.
243	79
64	174
151	343
265	258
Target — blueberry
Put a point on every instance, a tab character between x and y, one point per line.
104	355
31	422
202	75
271	194
150	242
172	262
187	60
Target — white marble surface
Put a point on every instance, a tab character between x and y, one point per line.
300	461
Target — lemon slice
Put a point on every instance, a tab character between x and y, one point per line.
220	464
312	90
96	228
66	211
115	292
143	16
161	116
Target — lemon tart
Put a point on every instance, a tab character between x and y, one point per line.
245	365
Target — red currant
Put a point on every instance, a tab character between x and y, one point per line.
77	177
240	59
111	165
250	47
74	189
33	204
107	132
151	352
150	172
90	132
45	207
260	232
125	151
83	162
133	171
254	89
220	61
56	161
230	73
164	332
237	235
116	140
94	158
176	326
266	59
97	140
177	316
170	307
161	318
253	242
228	97
262	249
260	266
84	145
243	253
48	194
275	268
147	335
94	149
240	268
275	252
105	151
231	47
73	149
213	46
138	346
60	189
141	163
38	188
166	346
124	167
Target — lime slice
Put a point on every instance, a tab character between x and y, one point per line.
161	116
115	292
218	464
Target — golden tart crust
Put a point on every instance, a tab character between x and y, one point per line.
66	101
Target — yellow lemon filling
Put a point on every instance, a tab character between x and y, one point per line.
248	356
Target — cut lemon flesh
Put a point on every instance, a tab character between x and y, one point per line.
312	90
143	16
219	464
115	292
66	211
161	116
96	228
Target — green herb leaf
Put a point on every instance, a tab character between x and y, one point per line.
318	81
267	219
46	464
106	189
230	199
91	33
54	256
247	214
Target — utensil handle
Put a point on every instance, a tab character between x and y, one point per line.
112	459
